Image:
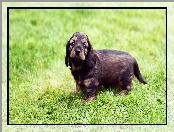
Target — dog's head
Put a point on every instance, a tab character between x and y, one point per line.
79	51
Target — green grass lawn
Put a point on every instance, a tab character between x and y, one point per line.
40	83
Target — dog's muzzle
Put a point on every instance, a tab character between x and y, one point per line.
77	50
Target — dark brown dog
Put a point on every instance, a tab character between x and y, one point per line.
93	68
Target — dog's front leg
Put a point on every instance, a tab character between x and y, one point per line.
91	87
78	88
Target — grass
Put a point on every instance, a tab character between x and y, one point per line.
40	83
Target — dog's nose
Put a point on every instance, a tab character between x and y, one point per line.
77	51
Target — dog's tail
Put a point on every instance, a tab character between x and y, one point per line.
138	74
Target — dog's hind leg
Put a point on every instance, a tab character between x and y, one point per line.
126	83
125	90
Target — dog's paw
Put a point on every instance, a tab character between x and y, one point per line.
123	92
88	99
74	92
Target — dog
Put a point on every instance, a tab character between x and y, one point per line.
94	68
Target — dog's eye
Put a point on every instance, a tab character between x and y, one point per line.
84	45
72	43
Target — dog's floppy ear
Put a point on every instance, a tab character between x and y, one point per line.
90	61
67	55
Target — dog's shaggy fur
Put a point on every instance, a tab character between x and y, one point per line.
93	68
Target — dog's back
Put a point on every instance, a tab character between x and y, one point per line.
117	65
